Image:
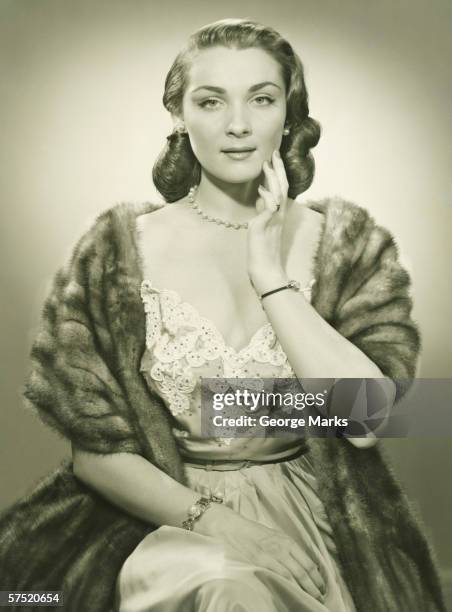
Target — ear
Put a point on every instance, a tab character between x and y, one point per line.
178	121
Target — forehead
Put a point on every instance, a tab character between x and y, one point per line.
233	68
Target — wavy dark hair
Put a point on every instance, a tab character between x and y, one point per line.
177	169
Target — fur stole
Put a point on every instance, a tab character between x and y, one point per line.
85	382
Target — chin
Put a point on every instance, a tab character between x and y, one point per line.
237	180
240	175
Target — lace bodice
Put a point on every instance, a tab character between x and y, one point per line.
182	347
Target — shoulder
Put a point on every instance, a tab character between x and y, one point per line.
299	215
354	248
351	229
341	216
175	215
112	228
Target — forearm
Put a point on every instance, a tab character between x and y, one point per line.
314	348
318	354
136	486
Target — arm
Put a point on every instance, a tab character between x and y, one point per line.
359	325
140	488
322	350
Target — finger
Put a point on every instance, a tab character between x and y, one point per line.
280	171
304	580
268	198
273	182
260	205
260	222
292	571
308	564
316	577
275	566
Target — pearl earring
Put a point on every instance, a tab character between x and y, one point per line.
180	129
286	131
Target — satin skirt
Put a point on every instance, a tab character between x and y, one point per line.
175	570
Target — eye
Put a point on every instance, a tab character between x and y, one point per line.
209	103
264	100
213	103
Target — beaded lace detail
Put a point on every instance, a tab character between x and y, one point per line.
181	339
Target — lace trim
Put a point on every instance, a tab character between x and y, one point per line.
177	316
176	331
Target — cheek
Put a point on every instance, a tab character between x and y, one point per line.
271	121
203	136
270	136
274	122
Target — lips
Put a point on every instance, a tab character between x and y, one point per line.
239	155
241	150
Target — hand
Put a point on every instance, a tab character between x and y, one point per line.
262	546
264	245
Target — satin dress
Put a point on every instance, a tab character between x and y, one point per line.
175	570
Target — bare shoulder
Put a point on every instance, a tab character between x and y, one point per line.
170	220
303	219
176	220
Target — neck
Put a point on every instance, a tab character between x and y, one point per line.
235	202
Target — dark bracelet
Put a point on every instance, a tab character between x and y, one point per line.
295	285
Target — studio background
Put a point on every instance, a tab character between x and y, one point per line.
82	123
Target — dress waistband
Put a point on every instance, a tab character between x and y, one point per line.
238	464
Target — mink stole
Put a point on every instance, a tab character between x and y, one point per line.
85	383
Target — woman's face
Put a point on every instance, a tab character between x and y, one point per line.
235	99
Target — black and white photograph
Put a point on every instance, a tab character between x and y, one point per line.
226	354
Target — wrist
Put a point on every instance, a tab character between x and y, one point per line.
200	506
210	521
266	281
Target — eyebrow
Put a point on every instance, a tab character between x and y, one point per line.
221	90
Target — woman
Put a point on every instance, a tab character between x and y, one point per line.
277	524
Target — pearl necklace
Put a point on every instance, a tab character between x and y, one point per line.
195	206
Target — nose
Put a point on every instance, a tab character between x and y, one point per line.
238	122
